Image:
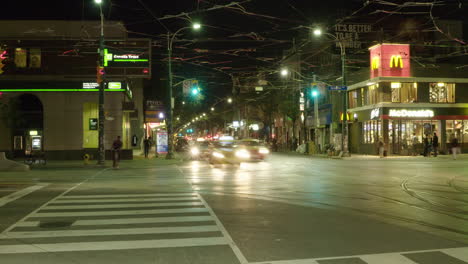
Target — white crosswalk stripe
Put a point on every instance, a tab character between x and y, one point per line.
92	223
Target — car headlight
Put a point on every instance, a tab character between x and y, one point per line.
218	155
263	151
195	151
243	154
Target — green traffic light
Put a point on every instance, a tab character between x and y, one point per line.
315	93
195	91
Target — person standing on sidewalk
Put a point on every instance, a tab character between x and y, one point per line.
147	145
455	147
426	146
381	145
116	147
435	144
415	143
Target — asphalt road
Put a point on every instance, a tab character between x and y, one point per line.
287	210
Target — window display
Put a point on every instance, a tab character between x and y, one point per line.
442	92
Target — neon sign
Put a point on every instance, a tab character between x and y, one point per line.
375	63
125	59
375	113
396	62
410	113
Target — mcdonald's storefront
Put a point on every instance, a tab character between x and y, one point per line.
397	110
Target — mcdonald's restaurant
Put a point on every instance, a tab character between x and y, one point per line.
402	109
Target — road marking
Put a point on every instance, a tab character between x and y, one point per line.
231	242
102	206
126	195
112	245
460	253
390	258
381	258
110	232
21	193
117	200
127	212
124	221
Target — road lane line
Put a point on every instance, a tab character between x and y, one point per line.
103	206
125	221
459	253
126	212
112	245
126	195
231	242
21	193
110	232
116	200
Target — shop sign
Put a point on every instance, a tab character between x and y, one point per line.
114	85
410	113
93	124
375	114
123	58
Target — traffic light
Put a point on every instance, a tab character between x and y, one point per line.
195	91
314	93
3	57
99	73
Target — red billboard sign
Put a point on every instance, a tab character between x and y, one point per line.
390	60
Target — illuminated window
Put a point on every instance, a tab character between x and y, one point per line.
20	57
372	94
353	99
372	131
404	92
442	92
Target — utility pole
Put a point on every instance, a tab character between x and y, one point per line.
101	158
316	115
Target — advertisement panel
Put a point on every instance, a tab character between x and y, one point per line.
162	139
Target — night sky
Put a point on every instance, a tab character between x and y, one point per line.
238	37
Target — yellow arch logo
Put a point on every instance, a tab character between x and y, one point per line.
396	62
375	63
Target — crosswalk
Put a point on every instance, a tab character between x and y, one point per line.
71	223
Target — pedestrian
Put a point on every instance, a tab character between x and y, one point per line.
381	145
147	143
435	144
294	144
116	147
415	143
455	147
426	146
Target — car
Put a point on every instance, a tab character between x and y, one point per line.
226	152
257	151
200	150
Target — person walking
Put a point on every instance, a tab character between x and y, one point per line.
455	147
147	143
116	147
435	144
381	145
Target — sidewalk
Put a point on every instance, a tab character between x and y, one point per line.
376	157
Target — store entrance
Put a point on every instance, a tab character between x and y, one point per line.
404	133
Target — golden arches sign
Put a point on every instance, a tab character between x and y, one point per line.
396	62
375	63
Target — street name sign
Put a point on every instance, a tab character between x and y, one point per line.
337	88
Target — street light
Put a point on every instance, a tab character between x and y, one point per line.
101	150
212	109
170	40
284	72
344	132
229	100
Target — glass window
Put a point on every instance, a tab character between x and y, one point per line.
353	99
363	96
404	92
371	131
442	92
372	94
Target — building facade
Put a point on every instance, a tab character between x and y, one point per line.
49	91
401	105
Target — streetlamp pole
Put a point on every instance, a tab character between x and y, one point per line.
170	121
344	127
101	156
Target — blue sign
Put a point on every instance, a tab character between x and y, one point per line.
337	88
